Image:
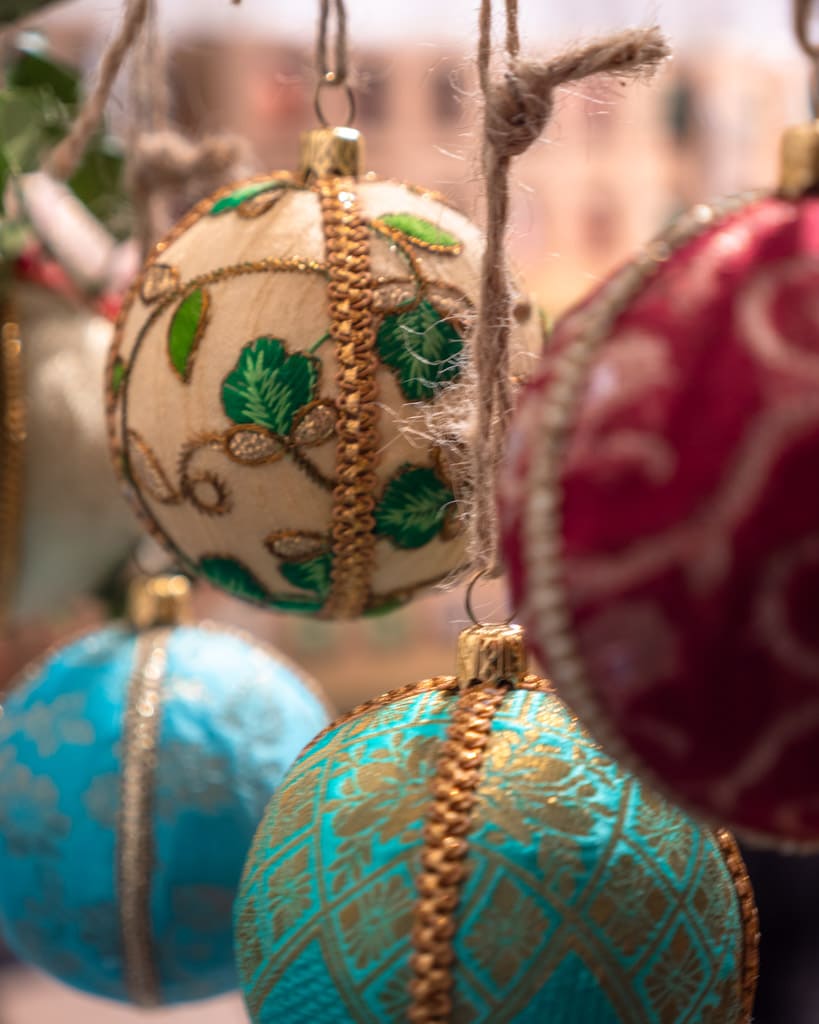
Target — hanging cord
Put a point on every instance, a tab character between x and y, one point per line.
162	163
802	10
517	108
66	156
333	72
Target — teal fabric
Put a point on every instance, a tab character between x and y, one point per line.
233	720
589	900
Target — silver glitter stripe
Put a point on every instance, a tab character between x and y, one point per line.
135	837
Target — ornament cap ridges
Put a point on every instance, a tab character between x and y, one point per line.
490	655
799	171
155	601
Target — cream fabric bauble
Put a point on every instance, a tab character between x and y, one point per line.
64	524
270	382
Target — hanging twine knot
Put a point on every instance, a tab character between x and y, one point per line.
517	109
519	106
166	160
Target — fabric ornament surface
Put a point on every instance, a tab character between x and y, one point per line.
134	768
64	524
271	382
660	507
584	896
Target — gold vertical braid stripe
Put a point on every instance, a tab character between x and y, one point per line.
446	846
750	921
352	329
135	840
12	444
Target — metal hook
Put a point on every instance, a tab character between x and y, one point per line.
330	81
470	611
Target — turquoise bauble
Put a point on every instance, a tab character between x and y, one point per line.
134	769
582	897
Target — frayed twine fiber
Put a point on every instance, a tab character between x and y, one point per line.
517	109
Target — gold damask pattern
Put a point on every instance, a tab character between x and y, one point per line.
586	898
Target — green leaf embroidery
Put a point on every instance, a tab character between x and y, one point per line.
186	330
421	232
312	575
422	348
233	577
238	580
268	386
234	199
413	507
117	375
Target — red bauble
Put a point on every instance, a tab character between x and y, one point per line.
661	515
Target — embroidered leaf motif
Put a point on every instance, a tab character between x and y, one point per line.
233	577
241	195
268	386
422	348
313	575
237	579
118	371
186	330
421	232
413	508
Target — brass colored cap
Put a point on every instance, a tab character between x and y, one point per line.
490	655
331	153
155	601
800	160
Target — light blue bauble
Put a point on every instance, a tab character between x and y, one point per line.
587	898
231	718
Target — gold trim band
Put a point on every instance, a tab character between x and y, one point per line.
446	847
135	837
352	329
750	921
12	445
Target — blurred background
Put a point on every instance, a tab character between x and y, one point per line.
615	165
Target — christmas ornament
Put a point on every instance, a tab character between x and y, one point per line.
135	764
271	379
63	525
661	509
460	850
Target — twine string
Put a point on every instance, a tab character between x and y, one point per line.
65	158
802	11
517	108
332	70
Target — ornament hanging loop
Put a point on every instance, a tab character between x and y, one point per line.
329	81
470	608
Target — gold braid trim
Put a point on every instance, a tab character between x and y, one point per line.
750	922
449	820
135	835
352	329
12	442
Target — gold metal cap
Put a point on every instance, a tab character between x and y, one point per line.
155	601
800	160
490	655
331	153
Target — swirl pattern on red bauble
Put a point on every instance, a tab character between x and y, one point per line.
660	504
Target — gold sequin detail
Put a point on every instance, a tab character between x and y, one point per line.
158	280
297	545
